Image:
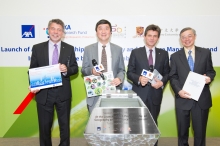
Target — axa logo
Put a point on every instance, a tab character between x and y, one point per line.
28	31
67	27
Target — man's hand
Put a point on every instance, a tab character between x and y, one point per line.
116	81
33	91
95	73
143	80
158	83
63	68
207	79
184	94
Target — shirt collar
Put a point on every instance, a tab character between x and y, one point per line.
147	49
52	43
100	44
186	50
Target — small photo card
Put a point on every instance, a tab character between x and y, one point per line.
147	74
95	85
99	68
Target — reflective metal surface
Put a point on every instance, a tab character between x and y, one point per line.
121	139
119	94
121	120
120	102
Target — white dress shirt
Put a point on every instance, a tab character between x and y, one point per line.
153	54
51	48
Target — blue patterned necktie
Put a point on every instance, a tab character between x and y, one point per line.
190	60
55	55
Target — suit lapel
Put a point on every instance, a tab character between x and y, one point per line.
46	52
143	56
157	57
62	52
95	52
183	59
114	57
198	56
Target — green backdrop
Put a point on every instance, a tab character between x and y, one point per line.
14	88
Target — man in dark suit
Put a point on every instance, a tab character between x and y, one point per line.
140	59
115	61
185	106
58	97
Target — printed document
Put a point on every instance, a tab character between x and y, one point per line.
194	85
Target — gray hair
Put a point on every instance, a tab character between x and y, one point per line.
187	28
57	21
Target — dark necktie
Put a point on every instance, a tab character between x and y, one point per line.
104	59
55	55
190	61
150	59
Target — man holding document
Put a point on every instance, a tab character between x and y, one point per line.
106	53
187	63
47	54
142	63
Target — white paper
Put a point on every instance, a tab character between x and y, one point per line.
194	85
156	75
95	85
45	77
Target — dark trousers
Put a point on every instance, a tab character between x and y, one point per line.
46	115
199	123
154	110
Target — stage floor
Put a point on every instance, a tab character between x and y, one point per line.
163	141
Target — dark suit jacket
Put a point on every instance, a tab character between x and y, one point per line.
40	57
180	70
139	61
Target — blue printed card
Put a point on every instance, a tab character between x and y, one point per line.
45	77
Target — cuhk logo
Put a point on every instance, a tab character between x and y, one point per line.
28	31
